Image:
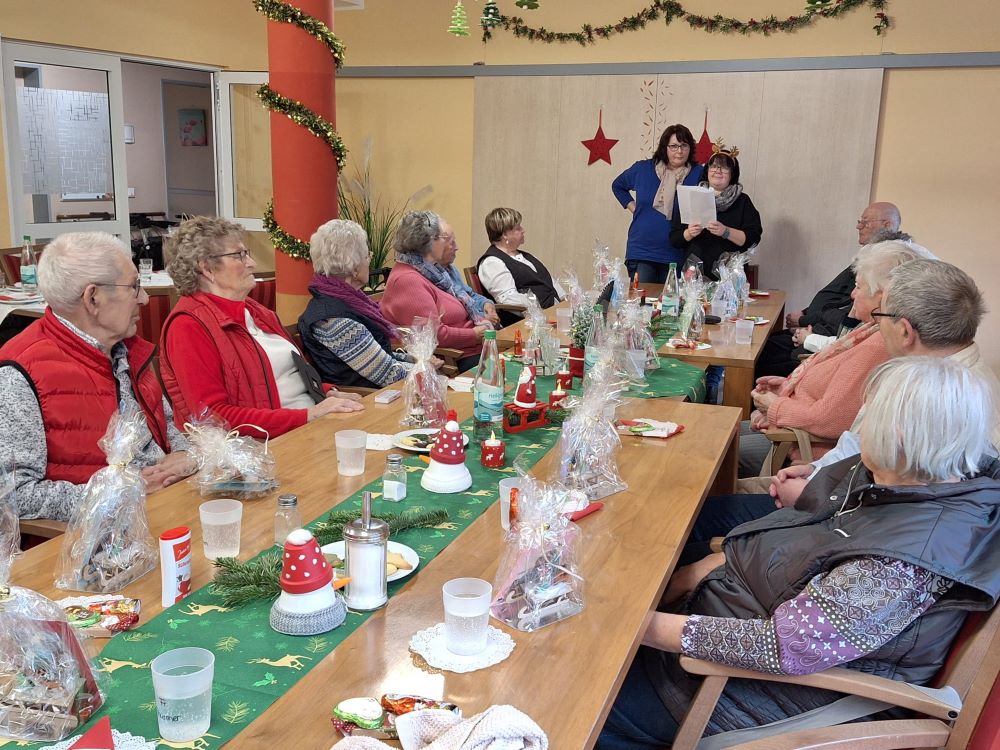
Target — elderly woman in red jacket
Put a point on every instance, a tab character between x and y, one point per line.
419	287
223	352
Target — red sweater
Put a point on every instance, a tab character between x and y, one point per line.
197	375
408	295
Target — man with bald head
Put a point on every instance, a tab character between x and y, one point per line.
880	221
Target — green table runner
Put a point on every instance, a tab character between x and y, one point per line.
255	665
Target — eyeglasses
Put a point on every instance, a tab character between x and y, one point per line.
876	313
864	222
244	254
719	168
135	286
446	238
678	146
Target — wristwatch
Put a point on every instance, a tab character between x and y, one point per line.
725	235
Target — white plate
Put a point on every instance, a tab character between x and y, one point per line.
701	345
397	439
337	548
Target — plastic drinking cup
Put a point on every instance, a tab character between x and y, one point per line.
220	527
145	270
563	315
744	331
466	615
182	684
506	485
351	446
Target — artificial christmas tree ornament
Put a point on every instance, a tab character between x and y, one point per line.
308	605
491	15
525	396
459	21
447	472
527	4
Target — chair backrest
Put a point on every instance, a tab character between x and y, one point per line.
10	263
971	668
154	314
472	279
265	291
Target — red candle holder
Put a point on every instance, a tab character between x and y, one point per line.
564	380
556	398
492	456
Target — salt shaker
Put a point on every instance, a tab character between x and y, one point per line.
394	479
287	518
366	540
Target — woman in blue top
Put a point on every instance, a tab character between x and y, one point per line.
654	182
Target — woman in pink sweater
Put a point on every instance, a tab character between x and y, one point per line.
418	286
823	395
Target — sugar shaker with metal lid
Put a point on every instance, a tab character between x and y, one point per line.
366	541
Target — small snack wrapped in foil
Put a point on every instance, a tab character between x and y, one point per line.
367	717
230	465
107	543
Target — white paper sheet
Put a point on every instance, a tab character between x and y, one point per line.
697	204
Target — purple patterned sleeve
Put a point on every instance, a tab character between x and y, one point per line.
840	616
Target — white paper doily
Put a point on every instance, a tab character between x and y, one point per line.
430	644
123	741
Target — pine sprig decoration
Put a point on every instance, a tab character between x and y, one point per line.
282	240
300	114
287	13
331	527
240	583
670	10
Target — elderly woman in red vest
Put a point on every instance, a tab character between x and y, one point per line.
62	378
227	354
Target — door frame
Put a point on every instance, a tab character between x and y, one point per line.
223	121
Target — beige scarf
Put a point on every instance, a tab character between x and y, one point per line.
663	201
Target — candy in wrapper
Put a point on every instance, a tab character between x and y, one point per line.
366	717
107	543
101	616
424	393
47	685
537	582
230	465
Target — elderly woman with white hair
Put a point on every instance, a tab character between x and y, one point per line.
344	331
226	354
823	395
63	377
874	569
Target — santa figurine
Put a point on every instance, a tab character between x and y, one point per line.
525	394
308	605
447	472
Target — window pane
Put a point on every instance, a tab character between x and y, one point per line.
251	152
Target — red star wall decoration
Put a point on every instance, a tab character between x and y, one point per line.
599	146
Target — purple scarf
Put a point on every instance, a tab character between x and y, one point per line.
357	300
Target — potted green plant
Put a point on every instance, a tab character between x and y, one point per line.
360	203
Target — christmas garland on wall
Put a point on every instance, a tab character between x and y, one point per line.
670	10
299	113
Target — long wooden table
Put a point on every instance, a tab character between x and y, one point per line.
565	676
738	359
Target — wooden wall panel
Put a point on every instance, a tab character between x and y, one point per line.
806	139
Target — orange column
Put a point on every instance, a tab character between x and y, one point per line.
303	169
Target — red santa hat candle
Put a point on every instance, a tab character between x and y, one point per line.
308	605
447	471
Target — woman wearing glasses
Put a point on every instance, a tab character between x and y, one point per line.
223	352
737	224
654	206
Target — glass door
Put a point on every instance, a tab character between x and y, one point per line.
65	141
243	135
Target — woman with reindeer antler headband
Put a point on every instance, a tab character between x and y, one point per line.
737	225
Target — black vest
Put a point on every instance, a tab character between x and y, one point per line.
331	367
949	529
526	280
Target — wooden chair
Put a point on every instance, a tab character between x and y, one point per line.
953	705
10	263
782	441
473	280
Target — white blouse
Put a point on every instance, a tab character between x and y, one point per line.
291	388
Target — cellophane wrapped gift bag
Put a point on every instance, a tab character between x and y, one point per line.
107	543
230	465
537	582
424	391
47	684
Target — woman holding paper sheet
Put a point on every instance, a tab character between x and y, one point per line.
737	224
654	183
